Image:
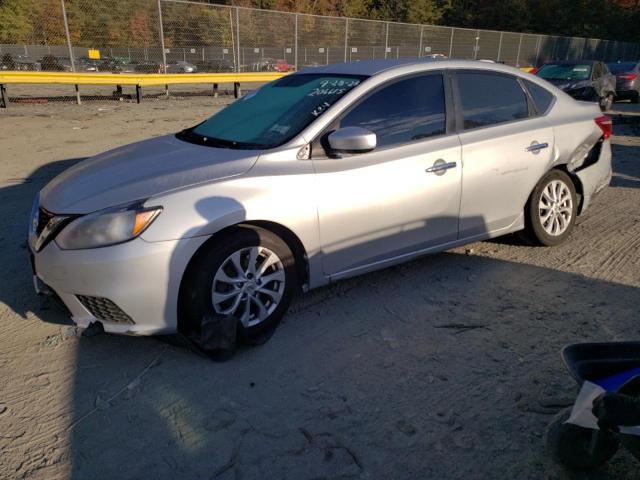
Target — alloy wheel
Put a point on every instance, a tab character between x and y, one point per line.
249	285
555	208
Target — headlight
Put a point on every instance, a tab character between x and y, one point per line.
106	227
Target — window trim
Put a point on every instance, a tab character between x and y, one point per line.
458	99
538	113
449	111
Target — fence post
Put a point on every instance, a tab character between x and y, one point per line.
451	44
538	50
386	41
295	56
499	47
233	42
238	36
161	31
584	46
518	56
66	32
475	48
420	46
346	37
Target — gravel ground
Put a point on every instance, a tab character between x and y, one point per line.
371	378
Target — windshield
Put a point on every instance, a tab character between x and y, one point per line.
565	71
274	114
622	67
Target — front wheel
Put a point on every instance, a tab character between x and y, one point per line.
551	210
238	286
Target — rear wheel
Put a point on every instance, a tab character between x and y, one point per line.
551	210
239	286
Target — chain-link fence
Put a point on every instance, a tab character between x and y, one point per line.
182	36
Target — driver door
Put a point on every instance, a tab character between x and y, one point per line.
403	196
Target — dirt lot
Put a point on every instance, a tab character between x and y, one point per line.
364	379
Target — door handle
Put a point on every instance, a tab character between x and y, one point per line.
535	147
440	167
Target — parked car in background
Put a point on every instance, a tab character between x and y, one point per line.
282	65
583	80
148	67
627	80
263	65
85	64
216	65
315	177
51	63
18	63
181	67
116	65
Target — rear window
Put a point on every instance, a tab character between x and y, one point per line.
490	99
541	96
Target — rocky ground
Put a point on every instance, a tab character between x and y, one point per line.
447	367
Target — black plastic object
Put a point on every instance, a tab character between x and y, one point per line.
594	361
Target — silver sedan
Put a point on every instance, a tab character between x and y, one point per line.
318	176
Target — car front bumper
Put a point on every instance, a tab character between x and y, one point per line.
140	278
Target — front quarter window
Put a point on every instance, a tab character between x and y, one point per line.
274	114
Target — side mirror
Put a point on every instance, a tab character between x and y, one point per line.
352	140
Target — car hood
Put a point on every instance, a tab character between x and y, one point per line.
139	171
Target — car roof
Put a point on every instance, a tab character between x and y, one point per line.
374	67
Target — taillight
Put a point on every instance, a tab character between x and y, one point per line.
628	76
533	71
605	124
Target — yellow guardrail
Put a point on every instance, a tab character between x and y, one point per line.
139	80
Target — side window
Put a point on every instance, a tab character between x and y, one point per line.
490	99
541	96
406	110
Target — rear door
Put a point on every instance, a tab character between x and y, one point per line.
507	145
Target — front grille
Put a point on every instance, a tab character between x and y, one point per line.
104	309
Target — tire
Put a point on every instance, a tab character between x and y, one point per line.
570	445
556	229
215	294
606	102
635	98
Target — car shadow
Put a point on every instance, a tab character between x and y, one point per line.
16	197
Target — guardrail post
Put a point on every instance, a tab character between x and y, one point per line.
3	101
237	92
66	31
138	93
161	31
